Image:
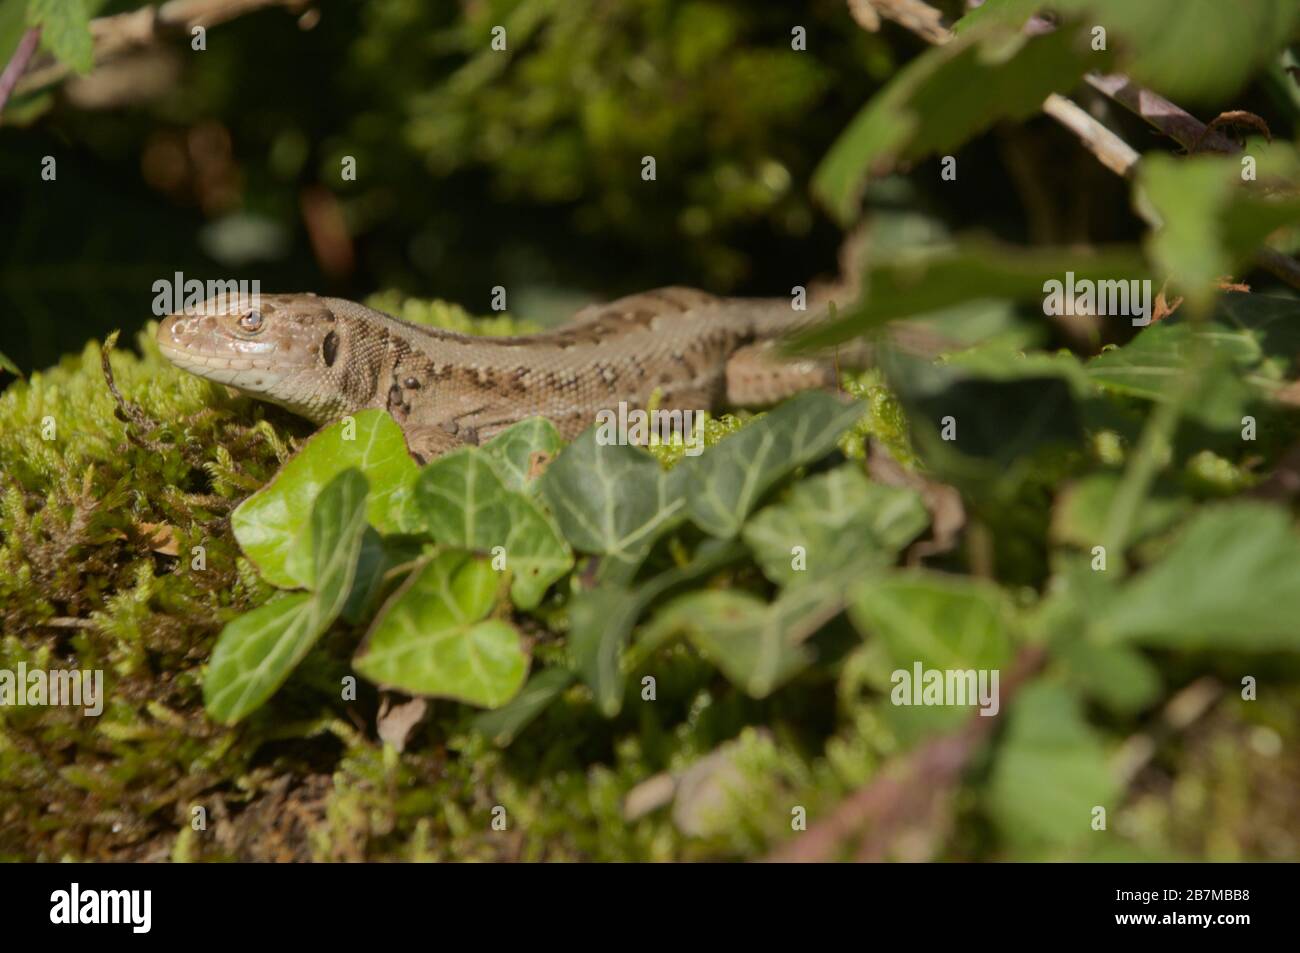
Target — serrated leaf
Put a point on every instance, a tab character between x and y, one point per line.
257	651
465	503
269	525
65	31
1153	37
519	450
434	636
725	484
842	522
1050	771
906	286
944	97
1230	581
613	501
942	621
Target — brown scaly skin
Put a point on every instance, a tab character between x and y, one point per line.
323	358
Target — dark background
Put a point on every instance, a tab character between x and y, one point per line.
475	168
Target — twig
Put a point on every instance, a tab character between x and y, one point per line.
122	32
18	63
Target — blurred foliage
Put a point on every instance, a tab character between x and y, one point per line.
521	167
473	166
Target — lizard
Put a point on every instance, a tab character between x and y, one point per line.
323	358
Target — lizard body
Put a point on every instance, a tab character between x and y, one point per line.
323	358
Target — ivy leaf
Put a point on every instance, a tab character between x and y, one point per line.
1229	582
519	450
931	280
757	645
65	31
465	504
434	637
944	97
842	521
1252	343
941	621
1153	36
269	525
726	483
613	501
505	724
601	620
257	651
378	557
1050	772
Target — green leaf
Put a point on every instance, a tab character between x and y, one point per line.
10	366
941	621
601	620
378	557
1251	345
1154	36
269	525
1229	582
613	501
944	97
505	724
257	651
1079	517
465	504
65	31
1116	676
434	637
725	484
518	450
842	522
758	646
917	283
1050	772
1212	220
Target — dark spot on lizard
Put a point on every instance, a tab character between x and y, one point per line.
329	349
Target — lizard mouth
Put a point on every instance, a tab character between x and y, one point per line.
198	344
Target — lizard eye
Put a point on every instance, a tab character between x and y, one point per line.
251	322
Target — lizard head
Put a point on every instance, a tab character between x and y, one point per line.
279	348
